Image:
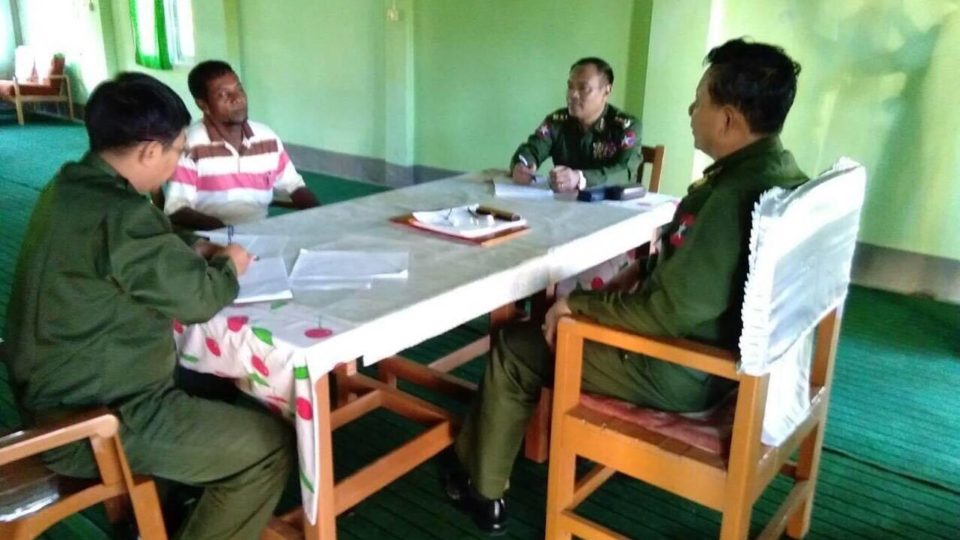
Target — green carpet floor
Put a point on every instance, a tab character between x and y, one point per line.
891	466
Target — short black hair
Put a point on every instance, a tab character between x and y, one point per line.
203	73
131	108
602	66
758	79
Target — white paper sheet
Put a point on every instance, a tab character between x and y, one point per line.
506	188
261	246
647	202
463	221
264	280
335	269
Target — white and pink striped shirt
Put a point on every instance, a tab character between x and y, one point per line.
235	185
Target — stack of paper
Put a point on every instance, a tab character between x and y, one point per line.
647	202
506	188
464	222
319	270
264	280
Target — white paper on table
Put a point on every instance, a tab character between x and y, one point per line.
463	221
507	188
265	279
261	246
335	269
647	202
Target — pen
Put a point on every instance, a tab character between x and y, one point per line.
498	214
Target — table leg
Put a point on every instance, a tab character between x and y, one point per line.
326	526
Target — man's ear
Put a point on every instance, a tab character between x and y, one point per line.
732	118
149	151
607	88
203	106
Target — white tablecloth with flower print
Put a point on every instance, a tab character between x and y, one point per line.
277	351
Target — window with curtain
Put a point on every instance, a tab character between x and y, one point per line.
162	32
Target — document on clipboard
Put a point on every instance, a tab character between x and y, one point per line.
473	223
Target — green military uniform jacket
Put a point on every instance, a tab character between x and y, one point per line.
603	152
100	279
696	280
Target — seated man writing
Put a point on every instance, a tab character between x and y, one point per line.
232	166
100	280
694	289
590	141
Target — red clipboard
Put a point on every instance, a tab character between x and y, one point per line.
407	220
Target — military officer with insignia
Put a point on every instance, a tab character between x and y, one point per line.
590	141
693	289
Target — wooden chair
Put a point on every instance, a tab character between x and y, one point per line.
653	156
816	259
53	88
32	498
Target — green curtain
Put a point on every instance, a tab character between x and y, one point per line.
150	34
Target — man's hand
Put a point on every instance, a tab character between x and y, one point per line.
206	248
564	179
240	257
559	309
522	174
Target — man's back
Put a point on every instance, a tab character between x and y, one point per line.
90	313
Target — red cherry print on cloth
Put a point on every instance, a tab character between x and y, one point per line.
318	333
213	347
260	366
237	322
304	409
596	283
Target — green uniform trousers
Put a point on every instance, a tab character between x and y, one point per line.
522	362
242	457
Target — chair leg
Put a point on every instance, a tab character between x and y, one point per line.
19	106
146	509
808	465
561	480
536	445
735	524
117	509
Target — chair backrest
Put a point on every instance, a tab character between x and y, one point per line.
24	64
801	250
652	155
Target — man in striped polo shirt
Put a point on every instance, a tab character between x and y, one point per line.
233	166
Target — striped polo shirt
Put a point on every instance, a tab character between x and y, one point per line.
233	184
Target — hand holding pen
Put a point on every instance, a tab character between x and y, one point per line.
523	172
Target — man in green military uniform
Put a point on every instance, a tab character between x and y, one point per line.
694	288
590	141
100	280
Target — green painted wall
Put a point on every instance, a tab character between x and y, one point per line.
7	40
314	71
878	84
487	72
216	28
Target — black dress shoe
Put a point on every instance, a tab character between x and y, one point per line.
490	515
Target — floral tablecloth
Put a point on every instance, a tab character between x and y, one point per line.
262	347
